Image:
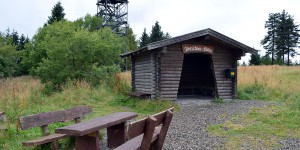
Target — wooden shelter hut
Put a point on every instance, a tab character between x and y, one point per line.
198	64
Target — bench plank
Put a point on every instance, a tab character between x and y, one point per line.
44	119
164	130
148	133
135	143
138	128
94	125
140	94
44	139
55	116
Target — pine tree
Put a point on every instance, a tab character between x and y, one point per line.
156	33
15	38
57	14
269	42
244	63
282	37
266	60
22	42
144	40
288	37
167	36
254	60
292	38
131	40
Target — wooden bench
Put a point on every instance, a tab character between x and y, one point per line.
148	133
2	120
44	119
140	95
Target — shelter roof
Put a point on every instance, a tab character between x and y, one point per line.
224	39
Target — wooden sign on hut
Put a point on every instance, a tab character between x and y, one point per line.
200	64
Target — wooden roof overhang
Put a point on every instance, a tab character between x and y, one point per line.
216	36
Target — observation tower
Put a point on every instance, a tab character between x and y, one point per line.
114	14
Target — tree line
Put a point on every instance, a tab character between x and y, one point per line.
65	50
281	41
156	34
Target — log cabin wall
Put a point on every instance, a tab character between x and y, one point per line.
170	70
143	73
223	59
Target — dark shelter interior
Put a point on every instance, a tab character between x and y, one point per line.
197	77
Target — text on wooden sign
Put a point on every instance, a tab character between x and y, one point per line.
192	48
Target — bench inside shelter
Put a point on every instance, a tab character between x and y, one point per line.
140	95
44	119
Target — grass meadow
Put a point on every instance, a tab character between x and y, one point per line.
24	96
263	127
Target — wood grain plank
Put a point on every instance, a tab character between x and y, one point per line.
42	119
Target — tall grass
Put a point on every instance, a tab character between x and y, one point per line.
283	78
263	127
23	96
18	94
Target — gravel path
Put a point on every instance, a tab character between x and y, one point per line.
188	127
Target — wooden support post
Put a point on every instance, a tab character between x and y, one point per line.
77	120
2	120
45	130
116	135
90	142
56	145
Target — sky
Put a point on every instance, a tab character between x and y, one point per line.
242	20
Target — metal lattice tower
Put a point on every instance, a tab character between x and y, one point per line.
114	14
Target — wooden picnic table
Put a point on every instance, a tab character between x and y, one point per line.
87	133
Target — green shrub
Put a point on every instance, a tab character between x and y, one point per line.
63	51
103	73
8	60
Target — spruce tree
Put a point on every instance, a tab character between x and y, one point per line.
144	40
254	60
57	14
292	38
167	36
265	60
156	33
22	42
282	37
269	42
131	40
15	38
288	37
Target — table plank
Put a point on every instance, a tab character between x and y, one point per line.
94	125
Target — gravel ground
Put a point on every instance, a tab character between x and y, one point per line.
188	127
